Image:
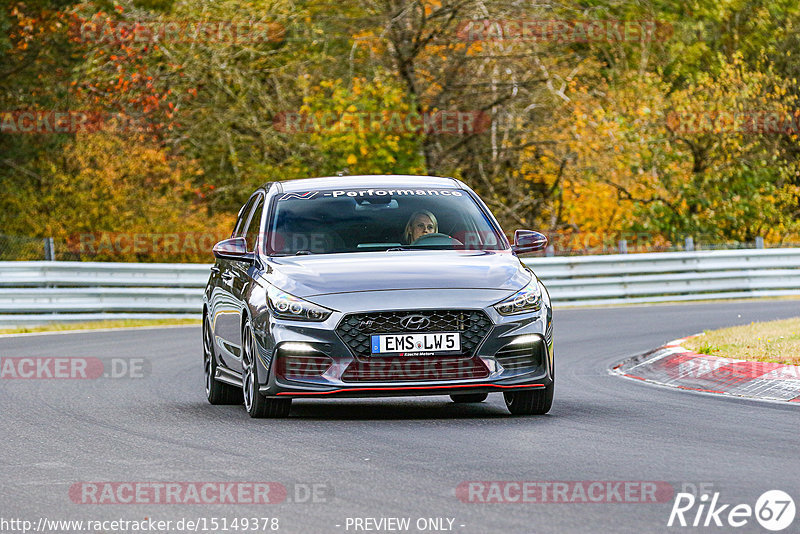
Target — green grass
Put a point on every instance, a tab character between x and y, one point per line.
93	325
774	341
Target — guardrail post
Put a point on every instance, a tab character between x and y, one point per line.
759	242
689	246
623	246
550	251
49	249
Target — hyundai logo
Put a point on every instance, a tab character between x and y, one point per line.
415	322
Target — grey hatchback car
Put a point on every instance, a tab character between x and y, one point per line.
374	286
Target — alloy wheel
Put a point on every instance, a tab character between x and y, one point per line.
248	383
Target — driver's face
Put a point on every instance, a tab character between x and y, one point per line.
422	225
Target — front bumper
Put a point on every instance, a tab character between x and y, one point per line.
411	390
515	354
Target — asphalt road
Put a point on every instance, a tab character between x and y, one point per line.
397	457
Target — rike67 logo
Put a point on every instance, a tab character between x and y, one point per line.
774	510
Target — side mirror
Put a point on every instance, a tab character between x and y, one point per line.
528	241
234	248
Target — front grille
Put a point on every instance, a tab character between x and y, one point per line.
355	329
415	369
519	357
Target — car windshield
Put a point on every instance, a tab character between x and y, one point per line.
363	220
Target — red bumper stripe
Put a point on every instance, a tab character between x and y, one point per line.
409	388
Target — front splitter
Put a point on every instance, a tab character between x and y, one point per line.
403	391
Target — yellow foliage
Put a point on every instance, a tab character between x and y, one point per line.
122	199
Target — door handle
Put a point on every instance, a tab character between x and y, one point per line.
228	277
215	269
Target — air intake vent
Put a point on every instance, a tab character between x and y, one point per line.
520	357
293	366
415	370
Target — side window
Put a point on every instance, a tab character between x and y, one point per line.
238	230
253	228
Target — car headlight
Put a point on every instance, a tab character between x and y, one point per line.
286	306
527	299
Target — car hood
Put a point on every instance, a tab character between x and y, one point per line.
324	274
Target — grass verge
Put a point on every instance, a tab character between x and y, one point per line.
773	341
94	325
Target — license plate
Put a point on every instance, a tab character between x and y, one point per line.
428	342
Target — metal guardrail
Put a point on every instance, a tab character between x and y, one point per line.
670	276
37	292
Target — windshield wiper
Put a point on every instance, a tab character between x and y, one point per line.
421	247
303	253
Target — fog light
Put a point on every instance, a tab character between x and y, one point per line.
524	340
296	347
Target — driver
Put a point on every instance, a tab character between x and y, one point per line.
419	224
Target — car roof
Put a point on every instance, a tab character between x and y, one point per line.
378	180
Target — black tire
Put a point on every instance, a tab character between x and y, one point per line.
530	402
469	397
216	391
256	404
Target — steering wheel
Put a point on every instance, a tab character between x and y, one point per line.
437	239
